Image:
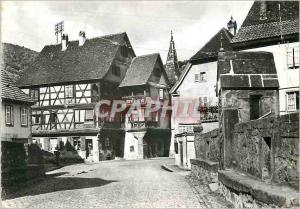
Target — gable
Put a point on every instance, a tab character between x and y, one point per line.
89	62
212	47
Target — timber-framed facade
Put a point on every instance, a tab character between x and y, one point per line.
66	82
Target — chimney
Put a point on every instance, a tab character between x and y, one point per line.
232	26
64	42
263	10
81	38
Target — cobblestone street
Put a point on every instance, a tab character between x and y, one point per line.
140	183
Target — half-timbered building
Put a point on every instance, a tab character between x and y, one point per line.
146	135
66	81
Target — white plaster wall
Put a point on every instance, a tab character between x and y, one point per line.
192	89
15	131
132	139
188	151
288	78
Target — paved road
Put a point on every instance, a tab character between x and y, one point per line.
140	183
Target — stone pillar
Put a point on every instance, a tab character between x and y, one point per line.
230	118
140	146
95	151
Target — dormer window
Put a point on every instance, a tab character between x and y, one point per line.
116	71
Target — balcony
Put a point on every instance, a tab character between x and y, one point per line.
143	124
110	124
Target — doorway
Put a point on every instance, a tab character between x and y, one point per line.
89	147
181	153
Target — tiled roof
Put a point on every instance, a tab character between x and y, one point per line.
140	70
256	28
212	47
77	63
11	92
242	69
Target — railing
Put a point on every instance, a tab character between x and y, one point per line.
188	128
208	113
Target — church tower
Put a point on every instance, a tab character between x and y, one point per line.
172	67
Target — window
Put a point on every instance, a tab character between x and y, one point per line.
293	57
254	107
69	93
24	116
76	143
131	148
197	77
89	115
292	101
203	101
161	93
107	142
202	76
116	70
36	119
53	117
34	94
9	115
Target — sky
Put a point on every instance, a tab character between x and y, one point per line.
147	23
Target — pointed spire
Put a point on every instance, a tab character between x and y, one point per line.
221	41
172	67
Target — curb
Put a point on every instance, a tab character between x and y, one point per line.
165	167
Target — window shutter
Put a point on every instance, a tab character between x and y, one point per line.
290	57
296	57
12	115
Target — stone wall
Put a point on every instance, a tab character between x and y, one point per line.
240	99
268	149
207	145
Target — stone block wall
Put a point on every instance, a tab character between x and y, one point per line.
268	149
207	145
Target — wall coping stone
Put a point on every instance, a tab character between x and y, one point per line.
206	164
270	194
211	134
